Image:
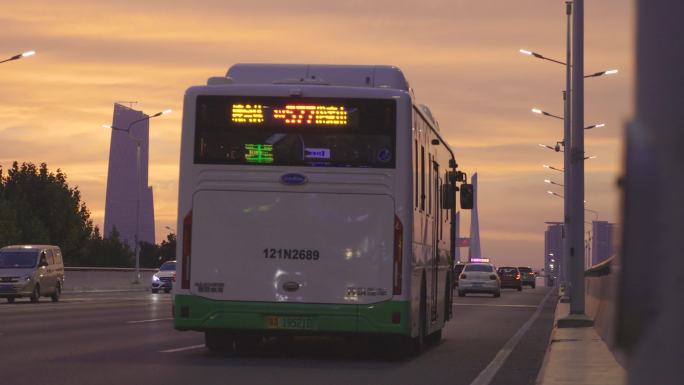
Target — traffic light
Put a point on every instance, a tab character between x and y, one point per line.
467	196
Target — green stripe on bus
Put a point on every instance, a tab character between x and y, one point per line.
197	313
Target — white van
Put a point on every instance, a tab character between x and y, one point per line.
32	271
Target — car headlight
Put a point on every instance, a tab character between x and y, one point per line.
155	278
27	278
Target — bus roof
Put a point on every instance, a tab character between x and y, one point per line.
373	76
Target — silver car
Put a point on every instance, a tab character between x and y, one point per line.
32	271
479	278
164	278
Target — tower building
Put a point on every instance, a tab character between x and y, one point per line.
129	205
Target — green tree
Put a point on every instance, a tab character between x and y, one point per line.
107	252
9	232
167	248
46	209
152	255
38	207
149	255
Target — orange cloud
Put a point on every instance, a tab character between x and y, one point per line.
460	56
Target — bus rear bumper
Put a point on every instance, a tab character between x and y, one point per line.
200	314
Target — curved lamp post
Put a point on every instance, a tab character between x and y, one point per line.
19	56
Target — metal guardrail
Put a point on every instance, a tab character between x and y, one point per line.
600	269
108	269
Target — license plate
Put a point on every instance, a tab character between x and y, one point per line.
477	283
289	323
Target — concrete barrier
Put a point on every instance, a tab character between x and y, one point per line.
601	298
93	279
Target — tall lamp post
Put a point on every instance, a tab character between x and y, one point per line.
577	317
567	181
566	161
138	142
19	56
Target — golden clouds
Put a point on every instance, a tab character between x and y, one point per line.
459	55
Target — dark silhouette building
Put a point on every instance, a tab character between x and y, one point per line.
602	241
553	252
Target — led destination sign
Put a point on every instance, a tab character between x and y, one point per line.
247	113
290	114
298	131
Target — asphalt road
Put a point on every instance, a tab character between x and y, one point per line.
128	338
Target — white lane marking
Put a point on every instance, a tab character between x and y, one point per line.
148	320
193	347
492	304
487	374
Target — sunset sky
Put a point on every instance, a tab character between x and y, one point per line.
460	56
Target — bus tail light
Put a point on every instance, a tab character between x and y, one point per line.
398	250
187	241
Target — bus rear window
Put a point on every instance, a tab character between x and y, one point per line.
270	131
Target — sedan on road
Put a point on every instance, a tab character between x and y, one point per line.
529	278
458	268
164	278
479	278
510	277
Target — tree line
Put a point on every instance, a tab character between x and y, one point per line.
37	206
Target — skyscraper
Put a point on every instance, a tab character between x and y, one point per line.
474	252
553	252
602	245
121	205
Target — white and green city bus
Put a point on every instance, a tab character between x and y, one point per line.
313	199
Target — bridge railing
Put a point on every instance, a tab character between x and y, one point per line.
83	278
601	297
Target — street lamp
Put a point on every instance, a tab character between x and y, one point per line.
552	168
556	148
541	112
601	73
540	56
549	181
19	56
138	143
554	194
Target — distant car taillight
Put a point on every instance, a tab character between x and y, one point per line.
463	276
187	241
398	249
493	276
517	276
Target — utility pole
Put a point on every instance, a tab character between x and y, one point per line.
577	318
565	263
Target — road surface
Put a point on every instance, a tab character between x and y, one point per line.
128	338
